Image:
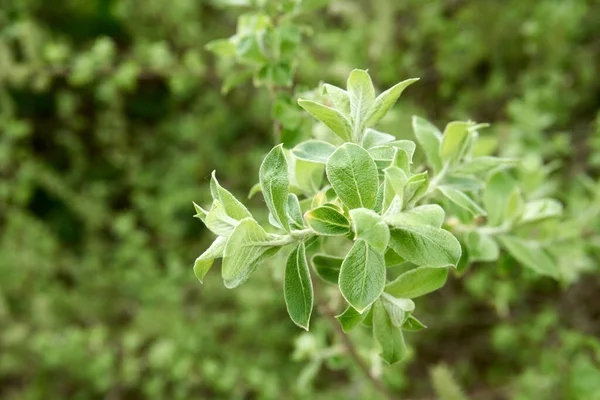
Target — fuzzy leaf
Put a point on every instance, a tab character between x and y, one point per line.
362	95
430	139
327	267
218	221
247	246
201	213
413	325
339	97
362	276
417	282
388	335
386	100
327	221
462	200
330	117
275	185
350	319
375	138
415	188
481	247
482	165
496	197
541	209
297	287
206	259
233	207
530	254
426	246
453	141
294	211
316	151
353	175
428	214
369	226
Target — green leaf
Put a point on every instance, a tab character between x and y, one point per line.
385	101
483	165
515	205
428	214
496	195
294	211
397	308
201	213
462	200
206	259
275	184
362	95
327	267
392	259
430	139
413	325
327	221
353	175
297	287
417	282
362	276
415	188
247	246
393	190
530	254
375	138
254	189
316	151
233	207
339	98
383	155
350	319
388	335
218	221
330	117
453	141
306	176
425	246
481	247
221	47
541	209
369	226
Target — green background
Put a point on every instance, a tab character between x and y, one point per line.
111	121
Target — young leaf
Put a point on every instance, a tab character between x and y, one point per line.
206	259
353	175
247	246
327	221
218	221
330	117
481	247
453	141
393	190
294	211
482	165
417	282
530	254
274	182
339	97
430	139
327	267
397	308
233	207
426	246
385	101
350	319
375	138
462	200
316	151
297	288
415	188
388	335
413	325
201	213
362	95
369	226
496	196
362	276
541	209
427	214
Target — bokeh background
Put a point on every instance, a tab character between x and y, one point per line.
112	119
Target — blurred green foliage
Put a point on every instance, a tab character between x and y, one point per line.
112	118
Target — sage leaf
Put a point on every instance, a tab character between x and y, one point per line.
375	138
362	95
247	246
530	254
218	221
484	164
327	221
427	214
316	151
462	200
538	210
415	188
233	207
353	175
417	282
333	119
201	213
496	195
294	211
206	259
362	276
386	100
297	288
425	246
481	247
339	97
413	325
274	181
350	319
397	308
327	267
369	226
388	335
453	141
430	139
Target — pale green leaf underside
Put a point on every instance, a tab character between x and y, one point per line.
386	100
388	335
316	151
233	207
332	118
327	221
206	259
427	214
430	139
297	288
275	185
369	226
